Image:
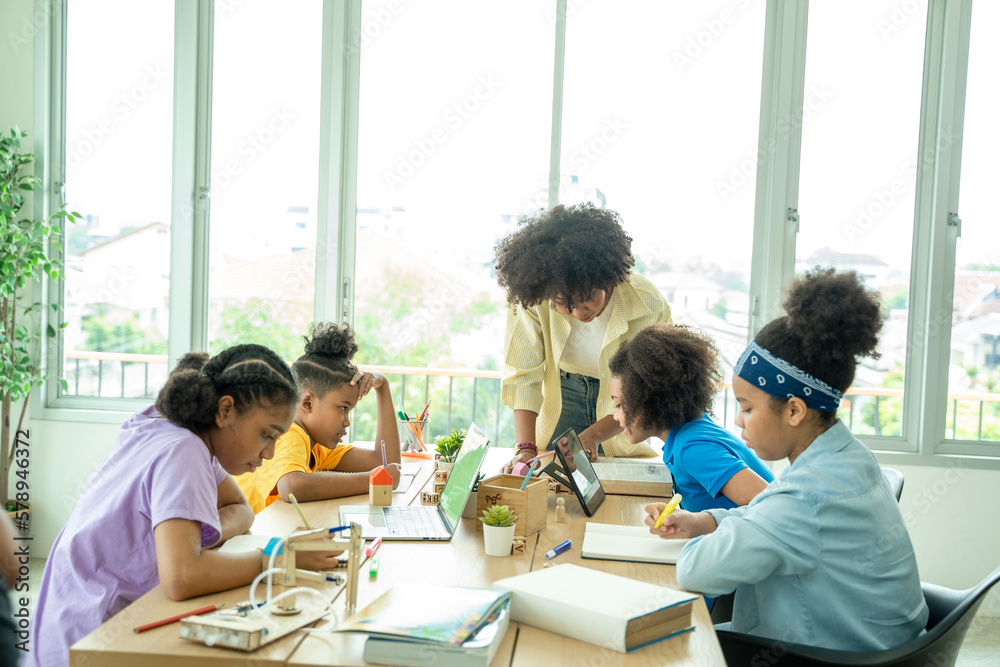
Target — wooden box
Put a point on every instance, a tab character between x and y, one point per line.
530	505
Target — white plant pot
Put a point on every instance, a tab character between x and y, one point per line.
445	467
499	541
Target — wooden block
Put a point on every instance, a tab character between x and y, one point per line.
440	475
530	505
553	486
439	486
518	546
428	498
379	494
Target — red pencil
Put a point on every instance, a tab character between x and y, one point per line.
174	619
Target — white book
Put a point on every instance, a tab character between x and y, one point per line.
596	607
634	477
605	541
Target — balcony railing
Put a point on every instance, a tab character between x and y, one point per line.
474	395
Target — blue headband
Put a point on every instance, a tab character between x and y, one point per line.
779	378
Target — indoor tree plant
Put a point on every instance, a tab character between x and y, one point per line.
447	448
24	259
498	530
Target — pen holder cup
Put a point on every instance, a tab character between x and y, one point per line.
530	504
415	435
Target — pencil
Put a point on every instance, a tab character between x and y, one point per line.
291	496
174	619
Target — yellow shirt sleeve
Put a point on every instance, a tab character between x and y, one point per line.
327	459
524	360
291	453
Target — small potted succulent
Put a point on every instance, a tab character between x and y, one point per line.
447	448
498	530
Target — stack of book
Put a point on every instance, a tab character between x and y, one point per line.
424	625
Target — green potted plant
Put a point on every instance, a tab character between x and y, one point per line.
25	245
447	448
498	530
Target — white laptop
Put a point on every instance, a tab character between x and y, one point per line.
426	522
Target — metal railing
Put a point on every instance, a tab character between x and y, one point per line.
119	375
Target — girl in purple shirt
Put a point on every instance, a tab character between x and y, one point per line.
164	494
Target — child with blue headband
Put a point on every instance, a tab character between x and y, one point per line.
821	556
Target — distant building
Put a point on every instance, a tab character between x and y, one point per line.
870	267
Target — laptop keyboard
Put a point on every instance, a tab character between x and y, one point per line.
412	521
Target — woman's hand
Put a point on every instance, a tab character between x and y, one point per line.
366	381
523	456
679	524
590	443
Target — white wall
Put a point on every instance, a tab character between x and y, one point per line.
950	512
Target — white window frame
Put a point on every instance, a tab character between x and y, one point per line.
775	213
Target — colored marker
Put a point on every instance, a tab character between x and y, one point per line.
527	475
291	496
375	545
383	453
671	506
558	549
373	569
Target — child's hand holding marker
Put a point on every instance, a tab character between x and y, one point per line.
665	521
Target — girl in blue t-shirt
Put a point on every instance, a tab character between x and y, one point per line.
663	382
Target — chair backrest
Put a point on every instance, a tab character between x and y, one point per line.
951	613
895	480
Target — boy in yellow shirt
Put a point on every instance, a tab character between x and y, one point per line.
310	461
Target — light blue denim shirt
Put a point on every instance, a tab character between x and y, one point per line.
820	557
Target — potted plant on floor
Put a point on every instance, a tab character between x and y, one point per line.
498	530
24	259
447	448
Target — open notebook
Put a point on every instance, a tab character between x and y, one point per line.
605	541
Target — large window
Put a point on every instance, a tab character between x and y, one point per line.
662	67
119	97
256	168
973	410
455	115
265	163
857	212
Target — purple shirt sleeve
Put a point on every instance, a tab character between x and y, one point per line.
183	487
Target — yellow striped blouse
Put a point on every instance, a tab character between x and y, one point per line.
535	339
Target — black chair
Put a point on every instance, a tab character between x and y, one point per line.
895	480
951	613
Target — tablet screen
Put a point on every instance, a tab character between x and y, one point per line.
579	471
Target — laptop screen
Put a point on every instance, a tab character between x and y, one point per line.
456	491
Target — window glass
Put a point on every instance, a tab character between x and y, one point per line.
860	126
660	123
974	369
119	115
455	119
264	174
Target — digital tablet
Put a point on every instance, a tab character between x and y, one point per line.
579	472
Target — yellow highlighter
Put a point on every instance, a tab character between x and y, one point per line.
671	506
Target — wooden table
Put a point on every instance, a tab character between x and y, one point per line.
460	562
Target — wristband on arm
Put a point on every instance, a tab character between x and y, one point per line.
521	446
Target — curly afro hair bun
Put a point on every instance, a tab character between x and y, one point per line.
566	251
833	319
328	340
326	364
192	361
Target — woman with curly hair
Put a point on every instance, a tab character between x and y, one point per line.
662	384
573	300
821	556
164	495
311	461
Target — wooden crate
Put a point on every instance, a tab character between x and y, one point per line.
530	505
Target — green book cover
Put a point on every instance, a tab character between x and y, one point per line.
429	613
